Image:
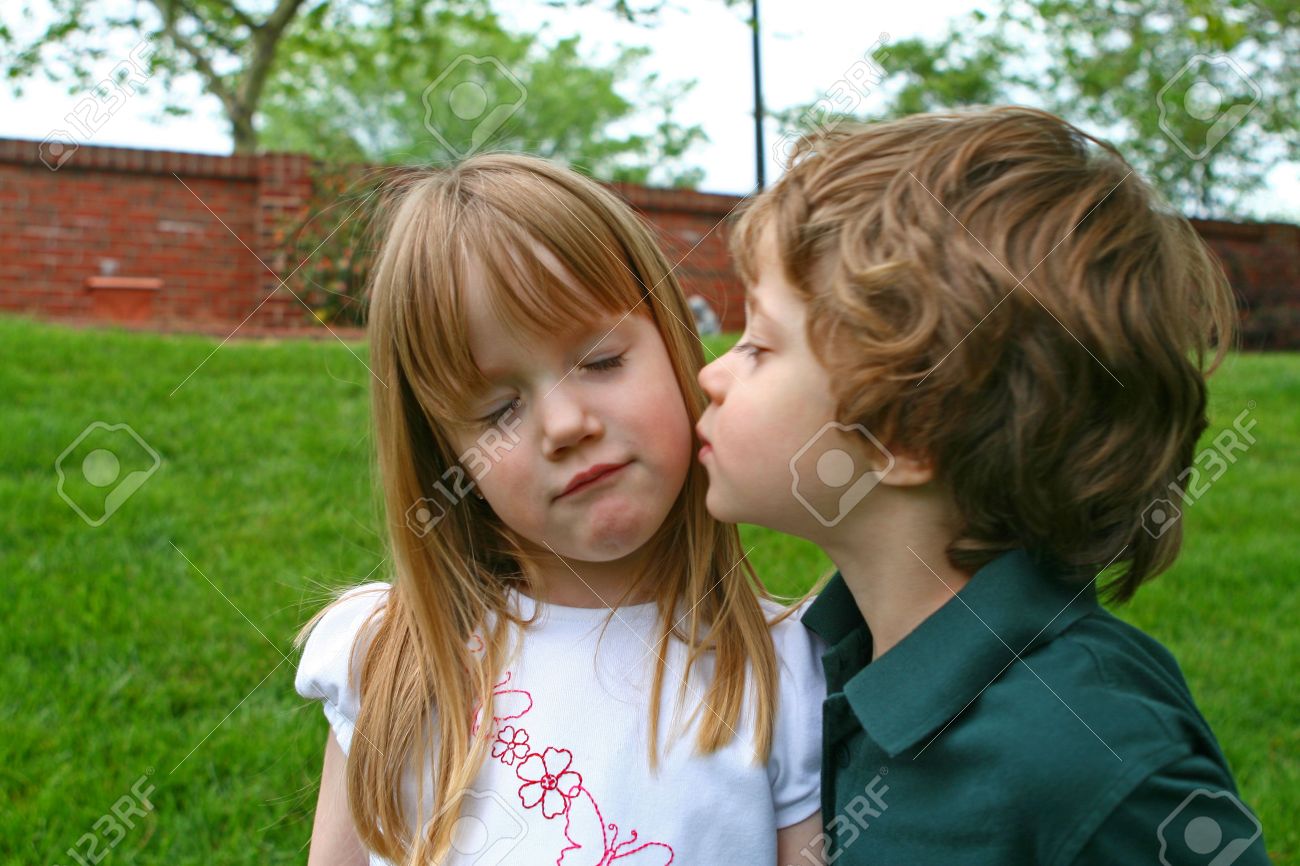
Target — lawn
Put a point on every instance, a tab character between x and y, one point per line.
148	706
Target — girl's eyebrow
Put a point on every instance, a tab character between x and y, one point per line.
593	334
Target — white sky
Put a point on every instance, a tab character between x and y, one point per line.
808	45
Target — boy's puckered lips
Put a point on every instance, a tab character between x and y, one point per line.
706	445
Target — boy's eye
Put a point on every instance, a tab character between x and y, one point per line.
605	363
747	348
497	416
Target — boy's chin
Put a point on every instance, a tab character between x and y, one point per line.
728	511
721	509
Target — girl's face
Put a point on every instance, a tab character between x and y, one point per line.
563	406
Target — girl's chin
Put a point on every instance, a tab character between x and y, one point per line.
612	534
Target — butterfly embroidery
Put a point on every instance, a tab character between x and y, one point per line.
507	704
592	842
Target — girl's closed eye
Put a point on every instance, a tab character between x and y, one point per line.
496	417
602	365
606	363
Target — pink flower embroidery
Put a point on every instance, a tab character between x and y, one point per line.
511	745
548	781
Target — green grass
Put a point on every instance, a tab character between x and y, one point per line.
121	660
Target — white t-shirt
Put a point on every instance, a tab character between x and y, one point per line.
568	780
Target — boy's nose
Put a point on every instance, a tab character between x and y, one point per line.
712	378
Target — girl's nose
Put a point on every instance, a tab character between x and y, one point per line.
565	420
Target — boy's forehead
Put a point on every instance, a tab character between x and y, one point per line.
767	249
773	299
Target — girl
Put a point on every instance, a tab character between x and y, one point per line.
559	595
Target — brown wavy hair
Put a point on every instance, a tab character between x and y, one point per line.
492	210
997	290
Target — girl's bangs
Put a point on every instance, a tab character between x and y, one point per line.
546	261
544	282
534	297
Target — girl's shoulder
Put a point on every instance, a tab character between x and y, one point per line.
798	654
325	671
793	641
794	767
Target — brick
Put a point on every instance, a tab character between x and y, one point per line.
160	214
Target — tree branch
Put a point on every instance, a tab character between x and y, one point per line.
244	17
265	39
280	18
202	63
214	33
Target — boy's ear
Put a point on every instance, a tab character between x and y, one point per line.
908	470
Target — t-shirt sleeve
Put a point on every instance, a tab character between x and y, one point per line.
796	761
1183	814
323	673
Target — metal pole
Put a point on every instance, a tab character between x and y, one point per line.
760	160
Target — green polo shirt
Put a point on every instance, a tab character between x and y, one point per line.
1019	723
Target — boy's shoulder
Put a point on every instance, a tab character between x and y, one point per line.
1104	725
1100	695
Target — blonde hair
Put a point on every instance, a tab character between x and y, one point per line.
997	289
492	211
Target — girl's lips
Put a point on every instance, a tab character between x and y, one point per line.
599	479
705	451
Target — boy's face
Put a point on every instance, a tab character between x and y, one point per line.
774	455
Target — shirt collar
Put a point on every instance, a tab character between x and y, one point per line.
1010	606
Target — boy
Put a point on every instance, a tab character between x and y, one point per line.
990	325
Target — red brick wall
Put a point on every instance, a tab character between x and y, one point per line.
199	224
133	213
1262	261
692	230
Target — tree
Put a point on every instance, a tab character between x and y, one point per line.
230	48
254	56
406	86
1200	96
